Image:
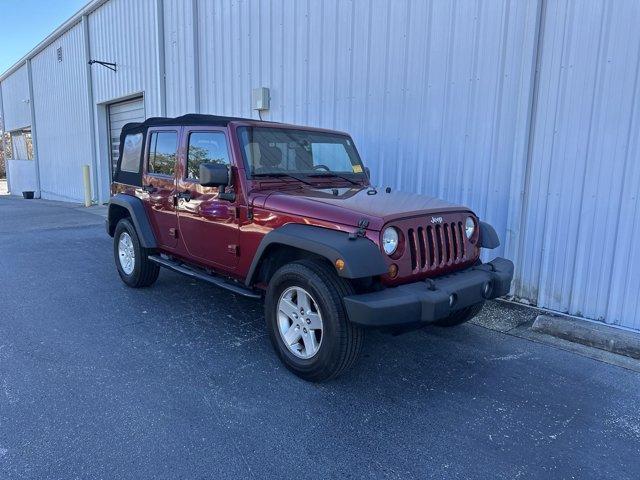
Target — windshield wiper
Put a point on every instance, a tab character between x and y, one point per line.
282	174
333	174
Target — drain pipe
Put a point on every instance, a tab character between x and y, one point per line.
90	116
34	132
2	141
160	58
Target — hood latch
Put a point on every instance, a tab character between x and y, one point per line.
363	223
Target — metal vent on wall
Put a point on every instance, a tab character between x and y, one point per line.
59	53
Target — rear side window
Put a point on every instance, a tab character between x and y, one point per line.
206	147
131	152
162	153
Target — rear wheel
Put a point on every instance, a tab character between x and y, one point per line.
307	322
134	267
461	316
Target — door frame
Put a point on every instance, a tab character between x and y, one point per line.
182	181
103	142
161	178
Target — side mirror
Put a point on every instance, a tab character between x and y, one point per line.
217	175
367	171
214	175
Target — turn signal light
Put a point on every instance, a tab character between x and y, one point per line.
393	270
340	264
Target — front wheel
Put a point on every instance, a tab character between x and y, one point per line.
134	267
307	322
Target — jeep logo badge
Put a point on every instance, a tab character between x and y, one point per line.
436	219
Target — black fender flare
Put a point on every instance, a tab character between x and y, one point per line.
138	216
361	256
488	236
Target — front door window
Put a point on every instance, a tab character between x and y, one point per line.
205	147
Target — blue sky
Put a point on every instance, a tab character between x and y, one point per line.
24	23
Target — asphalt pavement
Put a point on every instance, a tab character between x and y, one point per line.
179	380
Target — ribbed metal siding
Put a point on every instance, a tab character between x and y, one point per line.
179	57
15	93
124	32
436	94
2	120
579	250
60	100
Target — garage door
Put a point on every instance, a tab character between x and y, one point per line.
120	114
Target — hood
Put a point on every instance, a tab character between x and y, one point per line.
350	205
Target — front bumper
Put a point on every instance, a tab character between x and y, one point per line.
430	300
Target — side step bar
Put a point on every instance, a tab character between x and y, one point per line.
200	275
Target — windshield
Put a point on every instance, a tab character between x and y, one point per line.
286	151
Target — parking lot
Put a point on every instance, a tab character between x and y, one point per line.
179	381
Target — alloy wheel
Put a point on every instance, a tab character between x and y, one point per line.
299	322
126	253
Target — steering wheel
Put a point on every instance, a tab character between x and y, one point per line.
319	166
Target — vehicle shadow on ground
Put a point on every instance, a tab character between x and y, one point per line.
431	358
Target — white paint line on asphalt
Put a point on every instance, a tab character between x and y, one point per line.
628	424
7	392
511	356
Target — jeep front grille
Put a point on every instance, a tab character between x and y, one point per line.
432	247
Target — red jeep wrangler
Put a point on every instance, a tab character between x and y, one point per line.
287	213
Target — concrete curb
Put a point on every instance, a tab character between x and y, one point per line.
592	334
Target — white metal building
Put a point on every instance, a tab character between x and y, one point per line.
526	110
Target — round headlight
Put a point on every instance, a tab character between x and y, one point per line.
469	227
390	240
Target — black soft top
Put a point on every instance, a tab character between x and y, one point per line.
184	120
133	128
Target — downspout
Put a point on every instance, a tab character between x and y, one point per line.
518	244
34	132
162	69
91	119
2	140
196	56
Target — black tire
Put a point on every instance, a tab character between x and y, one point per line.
341	341
145	272
461	316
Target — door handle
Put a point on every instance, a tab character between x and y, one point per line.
149	188
186	195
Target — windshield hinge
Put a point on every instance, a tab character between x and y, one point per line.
363	223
